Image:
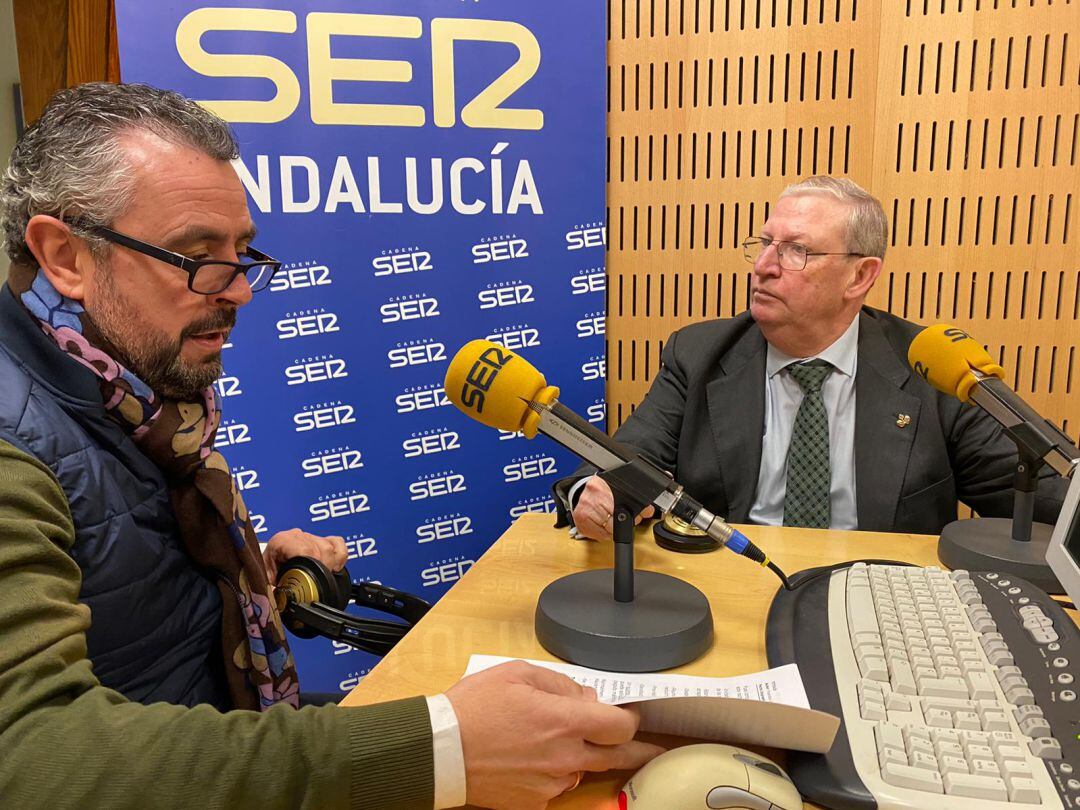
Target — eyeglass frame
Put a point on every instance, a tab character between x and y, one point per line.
188	265
807	253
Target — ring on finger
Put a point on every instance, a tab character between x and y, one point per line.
577	780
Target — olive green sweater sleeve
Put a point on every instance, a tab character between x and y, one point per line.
68	742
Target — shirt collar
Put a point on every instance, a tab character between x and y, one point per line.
842	354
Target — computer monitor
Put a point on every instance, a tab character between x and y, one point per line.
1063	553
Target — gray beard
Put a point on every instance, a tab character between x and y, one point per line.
149	353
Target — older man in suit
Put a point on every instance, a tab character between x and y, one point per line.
803	410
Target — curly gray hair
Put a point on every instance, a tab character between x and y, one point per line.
69	163
867	228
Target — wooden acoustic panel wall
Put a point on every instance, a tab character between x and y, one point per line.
961	116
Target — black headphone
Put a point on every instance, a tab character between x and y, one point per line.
312	601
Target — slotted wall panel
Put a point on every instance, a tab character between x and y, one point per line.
961	116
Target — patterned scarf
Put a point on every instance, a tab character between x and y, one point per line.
179	438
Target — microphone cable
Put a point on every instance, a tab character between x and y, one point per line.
743	546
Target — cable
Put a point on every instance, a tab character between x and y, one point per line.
776	570
742	545
752	552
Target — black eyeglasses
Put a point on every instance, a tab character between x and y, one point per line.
205	276
791	255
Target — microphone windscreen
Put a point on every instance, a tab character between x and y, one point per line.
945	355
492	384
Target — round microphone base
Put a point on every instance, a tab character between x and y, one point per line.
986	544
668	623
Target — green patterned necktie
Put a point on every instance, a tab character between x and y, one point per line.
806	502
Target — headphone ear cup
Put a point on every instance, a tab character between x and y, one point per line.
326	589
343	586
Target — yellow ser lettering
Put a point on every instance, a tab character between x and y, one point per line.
189	35
323	69
483	112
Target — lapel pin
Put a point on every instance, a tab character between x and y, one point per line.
902	420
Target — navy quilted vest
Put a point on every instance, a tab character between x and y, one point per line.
155	619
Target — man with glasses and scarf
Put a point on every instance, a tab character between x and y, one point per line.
143	662
803	411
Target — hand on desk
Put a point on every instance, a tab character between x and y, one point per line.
527	732
592	515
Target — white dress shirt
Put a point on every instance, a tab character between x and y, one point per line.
782	399
448	755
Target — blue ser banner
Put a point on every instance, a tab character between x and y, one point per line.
430	171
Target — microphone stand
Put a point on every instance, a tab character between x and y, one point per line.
1017	546
620	619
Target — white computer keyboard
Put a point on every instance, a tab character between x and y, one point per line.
936	712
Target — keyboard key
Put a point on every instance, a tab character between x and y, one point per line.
1006	754
1011	681
872	710
924	759
970	721
984	624
975	786
1020	696
1035	727
874	668
919	746
943	748
985	767
909	776
948	703
999	721
1045	748
916	735
860	609
944	735
992	644
1024	790
893	755
943	687
952	764
1011	768
905	719
888	735
980	685
898	702
939	718
1021	712
974	738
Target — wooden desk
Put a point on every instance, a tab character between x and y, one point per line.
490	610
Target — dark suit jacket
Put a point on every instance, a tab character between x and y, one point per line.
704	417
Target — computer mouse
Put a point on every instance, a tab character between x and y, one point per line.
709	777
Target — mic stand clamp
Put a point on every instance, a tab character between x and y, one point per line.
620	619
1017	546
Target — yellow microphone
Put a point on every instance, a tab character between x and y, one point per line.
946	356
956	364
495	386
498	388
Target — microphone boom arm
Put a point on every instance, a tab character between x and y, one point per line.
1039	437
